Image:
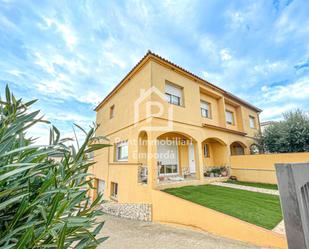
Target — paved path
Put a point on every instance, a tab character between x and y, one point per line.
253	189
280	228
126	234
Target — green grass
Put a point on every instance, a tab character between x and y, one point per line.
255	184
257	208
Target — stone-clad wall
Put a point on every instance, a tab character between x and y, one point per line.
130	211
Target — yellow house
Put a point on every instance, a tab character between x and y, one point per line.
167	126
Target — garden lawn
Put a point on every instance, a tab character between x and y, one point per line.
257	208
255	184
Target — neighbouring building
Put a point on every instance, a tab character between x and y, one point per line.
167	125
266	124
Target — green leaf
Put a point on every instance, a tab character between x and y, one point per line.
22	243
61	239
18	170
53	210
7	94
11	200
44	203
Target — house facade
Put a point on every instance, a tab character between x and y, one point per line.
167	125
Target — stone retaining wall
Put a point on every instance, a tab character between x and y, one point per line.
141	212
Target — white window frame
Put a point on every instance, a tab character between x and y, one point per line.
252	122
174	94
119	149
232	122
205	112
114	190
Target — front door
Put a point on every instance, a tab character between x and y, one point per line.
191	158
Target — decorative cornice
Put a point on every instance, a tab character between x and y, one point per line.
224	129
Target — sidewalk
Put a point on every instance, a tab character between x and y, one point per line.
253	189
124	233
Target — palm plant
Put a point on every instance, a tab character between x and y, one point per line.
44	203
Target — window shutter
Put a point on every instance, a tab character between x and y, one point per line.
204	105
173	90
229	117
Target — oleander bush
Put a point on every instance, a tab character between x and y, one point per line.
44	203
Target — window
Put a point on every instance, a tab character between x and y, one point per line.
114	190
173	94
168	169
167	157
112	111
122	151
101	186
236	149
252	122
205	109
206	150
229	117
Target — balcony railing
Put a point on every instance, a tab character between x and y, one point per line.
142	174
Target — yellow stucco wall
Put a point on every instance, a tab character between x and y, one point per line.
123	101
260	168
171	209
186	120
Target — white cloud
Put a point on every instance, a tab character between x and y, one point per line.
5	22
43	63
40	132
217	39
237	18
292	22
270	67
61	85
74	117
212	77
209	48
15	72
114	59
225	55
298	90
66	31
91	97
274	112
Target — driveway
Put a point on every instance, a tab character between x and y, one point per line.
125	233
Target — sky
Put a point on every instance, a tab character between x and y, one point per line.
70	54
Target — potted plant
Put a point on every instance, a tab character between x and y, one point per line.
216	172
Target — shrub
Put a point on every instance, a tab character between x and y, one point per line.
44	203
289	135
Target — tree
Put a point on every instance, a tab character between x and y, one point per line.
289	135
44	203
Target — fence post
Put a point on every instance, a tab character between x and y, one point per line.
293	183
